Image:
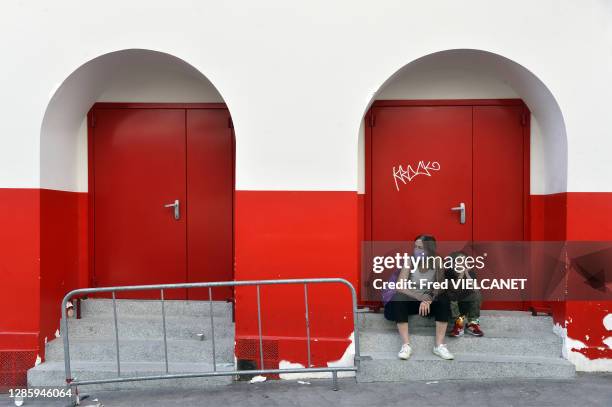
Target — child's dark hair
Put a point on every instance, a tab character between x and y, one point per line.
454	256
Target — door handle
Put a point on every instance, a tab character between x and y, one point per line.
177	208
461	209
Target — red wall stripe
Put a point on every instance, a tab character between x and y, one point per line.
548	214
279	234
589	217
282	234
62	252
19	265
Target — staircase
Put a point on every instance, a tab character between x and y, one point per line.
516	345
92	344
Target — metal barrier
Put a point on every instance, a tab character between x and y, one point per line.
73	382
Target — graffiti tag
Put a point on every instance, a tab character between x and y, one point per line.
406	175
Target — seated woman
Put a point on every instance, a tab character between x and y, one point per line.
424	302
465	303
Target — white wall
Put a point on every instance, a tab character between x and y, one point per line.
298	76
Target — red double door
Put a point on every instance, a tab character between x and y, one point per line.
456	171
162	190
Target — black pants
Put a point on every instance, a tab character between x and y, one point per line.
401	306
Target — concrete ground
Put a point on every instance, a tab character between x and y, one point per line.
584	390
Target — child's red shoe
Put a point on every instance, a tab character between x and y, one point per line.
474	329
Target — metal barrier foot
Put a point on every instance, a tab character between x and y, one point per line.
77	398
335	380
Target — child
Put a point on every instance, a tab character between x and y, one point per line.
465	303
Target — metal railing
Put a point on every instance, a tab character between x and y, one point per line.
73	382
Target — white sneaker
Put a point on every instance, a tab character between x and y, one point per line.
443	352
405	351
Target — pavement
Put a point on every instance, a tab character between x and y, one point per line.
583	390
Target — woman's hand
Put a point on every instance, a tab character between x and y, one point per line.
424	308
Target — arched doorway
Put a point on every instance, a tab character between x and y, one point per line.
125	134
500	132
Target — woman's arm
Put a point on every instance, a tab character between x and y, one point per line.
440	277
430	294
416	294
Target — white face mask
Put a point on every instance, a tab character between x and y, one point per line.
418	252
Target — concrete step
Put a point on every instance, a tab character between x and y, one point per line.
142	327
495	331
102	307
423	365
548	345
52	374
498	322
142	350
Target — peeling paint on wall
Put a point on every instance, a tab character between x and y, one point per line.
593	323
346	360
